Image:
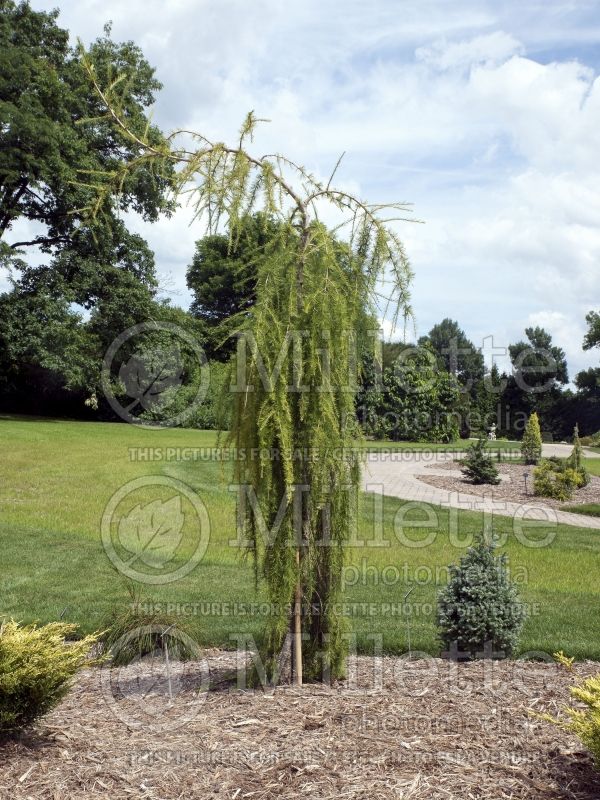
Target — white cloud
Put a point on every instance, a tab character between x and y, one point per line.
491	48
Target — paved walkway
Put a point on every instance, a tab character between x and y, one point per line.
395	473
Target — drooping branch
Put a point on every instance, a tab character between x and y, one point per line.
230	181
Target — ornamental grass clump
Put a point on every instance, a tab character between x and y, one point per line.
37	665
479	613
135	632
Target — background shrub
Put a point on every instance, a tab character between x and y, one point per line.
591	441
557	478
36	668
212	413
480	606
416	401
478	466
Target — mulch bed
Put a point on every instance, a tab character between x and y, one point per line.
418	730
511	487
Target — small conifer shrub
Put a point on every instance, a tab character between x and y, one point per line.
575	460
36	669
531	446
478	466
479	613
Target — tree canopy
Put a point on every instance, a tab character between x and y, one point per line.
223	276
53	141
49	155
455	353
592	337
537	363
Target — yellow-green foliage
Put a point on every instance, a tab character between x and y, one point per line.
563	660
36	668
555	478
575	460
531	446
549	482
317	421
584	723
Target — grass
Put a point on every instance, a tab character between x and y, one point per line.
500	445
592	465
590	509
58	476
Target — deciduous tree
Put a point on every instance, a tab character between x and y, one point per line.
304	412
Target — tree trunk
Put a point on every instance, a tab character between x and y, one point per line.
305	526
297	671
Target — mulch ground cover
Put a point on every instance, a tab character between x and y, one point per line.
396	728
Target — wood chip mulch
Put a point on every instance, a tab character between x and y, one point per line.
418	730
511	487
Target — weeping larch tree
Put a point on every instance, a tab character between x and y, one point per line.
299	424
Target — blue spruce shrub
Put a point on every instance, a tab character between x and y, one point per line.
479	612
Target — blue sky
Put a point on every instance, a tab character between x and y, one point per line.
485	115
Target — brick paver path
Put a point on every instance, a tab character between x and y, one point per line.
395	473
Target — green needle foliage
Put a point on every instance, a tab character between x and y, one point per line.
478	466
480	608
311	429
531	446
294	404
575	460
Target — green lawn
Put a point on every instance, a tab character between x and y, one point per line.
590	509
56	478
593	466
375	445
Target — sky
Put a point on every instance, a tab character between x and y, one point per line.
484	115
